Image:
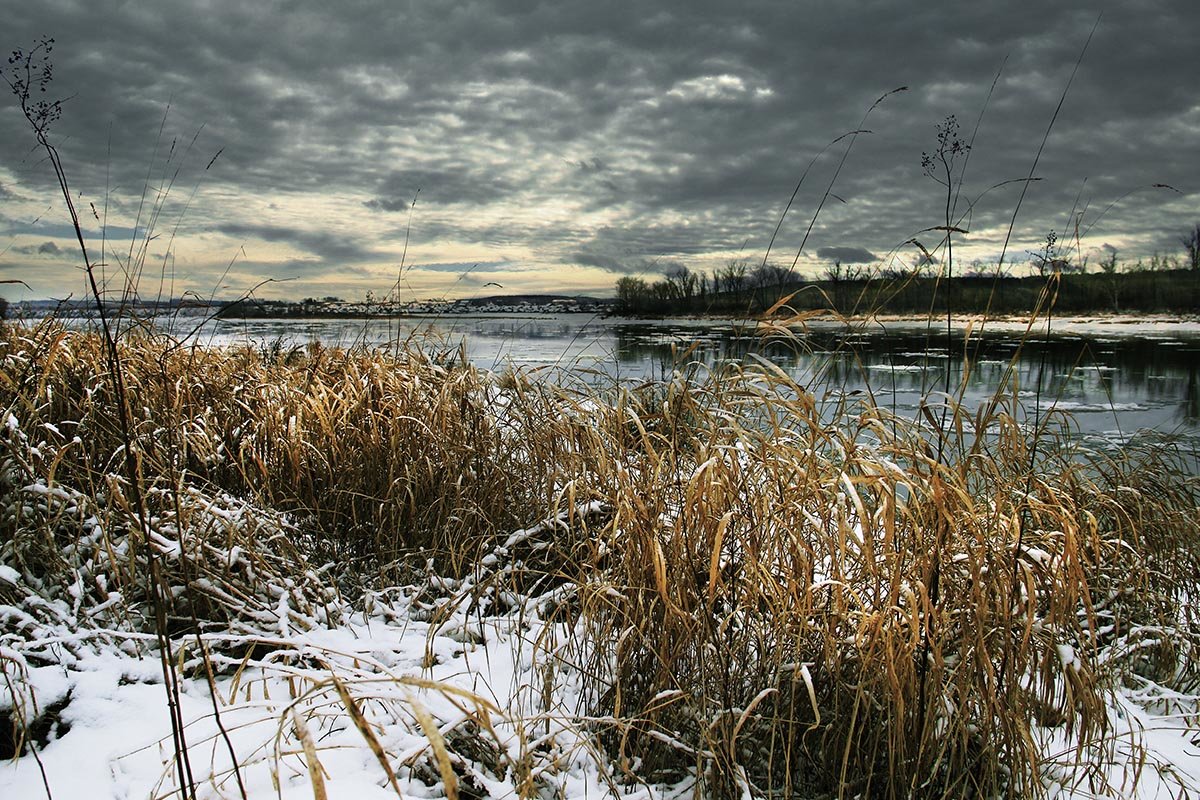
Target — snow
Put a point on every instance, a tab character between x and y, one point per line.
1147	756
396	662
399	672
1076	407
118	743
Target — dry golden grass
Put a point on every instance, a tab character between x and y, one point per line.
394	454
784	599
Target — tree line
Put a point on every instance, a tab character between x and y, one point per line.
1163	283
682	290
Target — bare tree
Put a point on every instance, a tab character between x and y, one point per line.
768	275
632	294
844	272
682	281
1191	245
1110	268
733	277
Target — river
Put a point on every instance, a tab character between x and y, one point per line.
1115	377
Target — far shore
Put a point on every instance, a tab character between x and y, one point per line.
1094	324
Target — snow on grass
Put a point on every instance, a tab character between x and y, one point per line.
486	696
298	677
482	689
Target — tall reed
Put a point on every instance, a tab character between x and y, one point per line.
755	596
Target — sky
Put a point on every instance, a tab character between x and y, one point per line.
443	148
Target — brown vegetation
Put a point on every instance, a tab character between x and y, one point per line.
782	597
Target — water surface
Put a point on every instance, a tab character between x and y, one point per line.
1113	382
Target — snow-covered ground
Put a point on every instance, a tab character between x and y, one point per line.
469	682
403	679
298	688
113	737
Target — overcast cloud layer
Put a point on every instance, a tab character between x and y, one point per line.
557	146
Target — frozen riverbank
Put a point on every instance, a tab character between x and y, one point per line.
390	573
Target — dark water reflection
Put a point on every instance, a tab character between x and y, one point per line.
1113	384
1109	383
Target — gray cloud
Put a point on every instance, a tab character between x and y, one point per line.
451	183
303	268
634	121
609	262
43	249
652	247
389	204
847	255
459	267
327	246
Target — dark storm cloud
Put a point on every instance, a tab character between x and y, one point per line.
326	246
43	249
300	268
648	247
459	267
455	183
616	263
641	114
847	255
